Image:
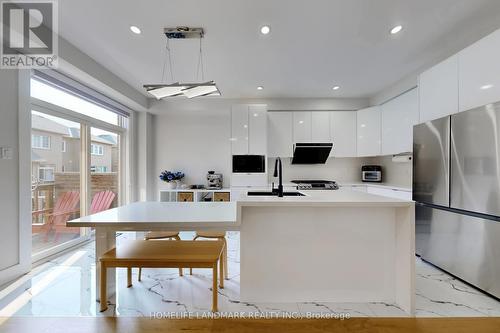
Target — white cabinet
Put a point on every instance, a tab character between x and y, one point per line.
438	90
280	134
479	73
239	130
248	130
343	133
257	130
320	126
398	117
301	126
368	131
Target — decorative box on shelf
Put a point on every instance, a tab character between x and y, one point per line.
195	195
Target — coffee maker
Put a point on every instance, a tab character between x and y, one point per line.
214	180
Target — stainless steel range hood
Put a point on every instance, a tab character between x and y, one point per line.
311	153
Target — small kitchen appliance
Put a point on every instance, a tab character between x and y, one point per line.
371	173
214	180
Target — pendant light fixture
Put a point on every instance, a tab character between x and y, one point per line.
189	90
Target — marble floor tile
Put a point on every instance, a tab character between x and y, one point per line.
65	286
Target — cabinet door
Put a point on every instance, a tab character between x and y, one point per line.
438	90
398	117
320	126
343	133
301	126
280	134
368	130
257	130
239	129
479	68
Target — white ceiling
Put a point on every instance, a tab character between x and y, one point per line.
313	44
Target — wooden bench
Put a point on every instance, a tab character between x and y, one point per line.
164	254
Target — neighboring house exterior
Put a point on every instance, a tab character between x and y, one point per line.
56	148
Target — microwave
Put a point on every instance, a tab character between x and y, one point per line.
249	163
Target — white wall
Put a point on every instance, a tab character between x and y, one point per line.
9	170
194	144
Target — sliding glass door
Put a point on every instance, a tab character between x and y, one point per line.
55	181
76	162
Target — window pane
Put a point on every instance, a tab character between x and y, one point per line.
55	185
66	100
104	162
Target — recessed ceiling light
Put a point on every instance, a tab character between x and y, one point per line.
265	30
135	29
396	29
260	88
336	88
486	86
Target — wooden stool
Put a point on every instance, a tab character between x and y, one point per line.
160	235
166	254
219	235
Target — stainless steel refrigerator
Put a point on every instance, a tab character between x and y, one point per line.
456	184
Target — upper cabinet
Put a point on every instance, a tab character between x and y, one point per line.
398	117
368	131
479	73
302	126
438	90
343	133
257	130
320	126
239	129
248	130
311	126
280	134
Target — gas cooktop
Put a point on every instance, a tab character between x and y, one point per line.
307	184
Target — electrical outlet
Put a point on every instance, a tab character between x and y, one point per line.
5	153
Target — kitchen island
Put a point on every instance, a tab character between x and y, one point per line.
326	246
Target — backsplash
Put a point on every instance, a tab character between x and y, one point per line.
342	170
345	170
397	174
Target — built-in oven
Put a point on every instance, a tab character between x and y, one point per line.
249	164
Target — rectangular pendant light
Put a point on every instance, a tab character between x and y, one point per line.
201	90
160	91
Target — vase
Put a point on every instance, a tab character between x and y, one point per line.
171	185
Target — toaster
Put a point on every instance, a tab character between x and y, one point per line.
371	173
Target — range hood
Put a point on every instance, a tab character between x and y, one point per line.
311	153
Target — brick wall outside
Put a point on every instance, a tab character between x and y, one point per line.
70	181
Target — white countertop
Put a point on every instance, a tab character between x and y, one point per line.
381	185
341	198
165	216
221	215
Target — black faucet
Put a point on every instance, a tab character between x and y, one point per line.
278	172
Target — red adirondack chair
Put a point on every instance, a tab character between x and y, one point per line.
65	206
102	201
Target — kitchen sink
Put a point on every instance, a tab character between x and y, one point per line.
274	194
